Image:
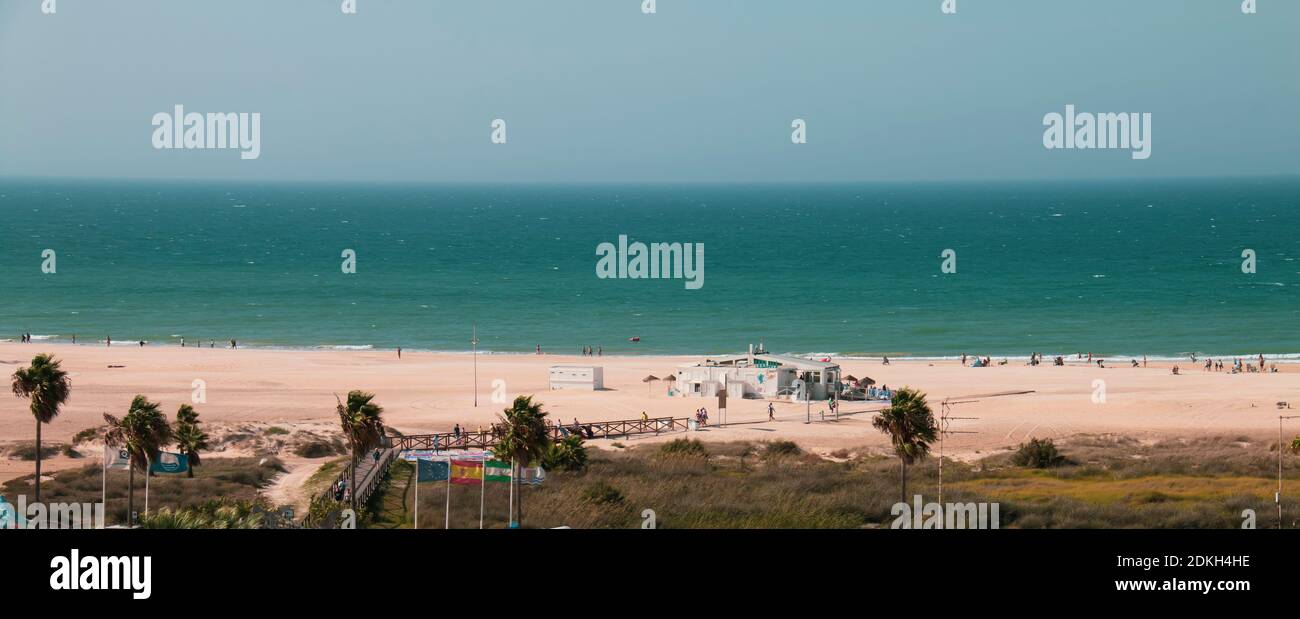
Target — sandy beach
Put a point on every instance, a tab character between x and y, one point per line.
428	392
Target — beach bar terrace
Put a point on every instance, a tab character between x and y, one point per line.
759	375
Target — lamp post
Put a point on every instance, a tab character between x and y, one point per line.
1278	497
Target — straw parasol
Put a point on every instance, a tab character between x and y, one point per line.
647	380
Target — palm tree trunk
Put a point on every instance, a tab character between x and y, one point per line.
189	467
38	460
130	495
904	479
352	489
519	496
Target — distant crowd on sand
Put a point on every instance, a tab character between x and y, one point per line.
1210	365
26	338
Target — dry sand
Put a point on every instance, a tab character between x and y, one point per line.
427	392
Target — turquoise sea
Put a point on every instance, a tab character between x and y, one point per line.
1116	268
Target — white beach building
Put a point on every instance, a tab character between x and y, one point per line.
588	377
758	375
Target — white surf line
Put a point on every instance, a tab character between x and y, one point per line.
1012	431
1031	431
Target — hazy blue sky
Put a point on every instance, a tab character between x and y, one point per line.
704	90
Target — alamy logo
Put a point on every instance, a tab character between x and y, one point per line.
24	515
241	131
655	261
950	516
1130	131
91	573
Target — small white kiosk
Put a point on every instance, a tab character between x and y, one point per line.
586	377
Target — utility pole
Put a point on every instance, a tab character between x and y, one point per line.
1280	447
473	343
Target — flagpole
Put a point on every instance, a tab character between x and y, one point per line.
415	522
510	517
148	465
482	492
103	486
446	523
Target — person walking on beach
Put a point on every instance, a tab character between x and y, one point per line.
539	349
108	340
399	352
771	410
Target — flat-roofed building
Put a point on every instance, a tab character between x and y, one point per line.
759	375
588	377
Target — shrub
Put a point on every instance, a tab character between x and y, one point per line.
316	449
89	434
778	449
27	450
274	430
567	455
1038	454
684	448
601	493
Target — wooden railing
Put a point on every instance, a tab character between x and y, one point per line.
597	429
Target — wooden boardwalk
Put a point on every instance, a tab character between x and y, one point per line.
598	429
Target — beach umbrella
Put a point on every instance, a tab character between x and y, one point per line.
647	380
851	378
867	380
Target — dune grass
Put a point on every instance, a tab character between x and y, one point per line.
1107	482
233	479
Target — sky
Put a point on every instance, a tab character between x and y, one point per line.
700	91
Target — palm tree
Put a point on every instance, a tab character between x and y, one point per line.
524	438
190	438
47	387
910	425
142	433
363	426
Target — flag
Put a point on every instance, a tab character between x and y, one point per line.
115	458
497	471
170	463
433	470
467	472
532	475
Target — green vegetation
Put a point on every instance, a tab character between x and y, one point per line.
781	449
1107	483
1038	454
26	451
319	449
363	425
524	439
216	514
87	435
683	448
275	431
910	425
231	479
142	433
190	438
567	455
46	387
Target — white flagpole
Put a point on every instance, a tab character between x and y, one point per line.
103	487
446	523
148	465
482	491
510	518
416	520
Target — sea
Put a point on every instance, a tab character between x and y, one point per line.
1118	268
